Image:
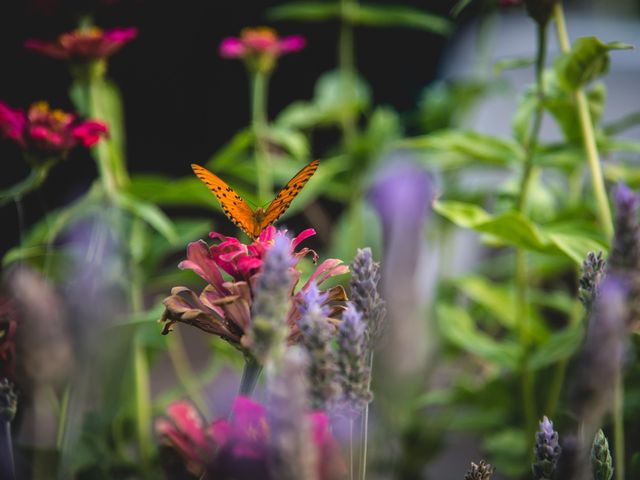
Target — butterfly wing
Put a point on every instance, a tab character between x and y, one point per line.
234	207
286	195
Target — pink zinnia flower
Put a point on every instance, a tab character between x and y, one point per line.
260	47
84	44
224	306
45	131
238	446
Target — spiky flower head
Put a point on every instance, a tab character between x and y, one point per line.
481	471
593	271
365	277
271	303
316	335
546	451
291	454
353	373
601	463
625	252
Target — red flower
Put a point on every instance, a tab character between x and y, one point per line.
84	44
224	306
239	443
260	47
47	131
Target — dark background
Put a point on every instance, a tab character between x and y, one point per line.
182	101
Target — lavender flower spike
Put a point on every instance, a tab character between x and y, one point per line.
546	451
291	455
481	471
268	331
601	463
353	372
317	334
365	277
592	274
625	252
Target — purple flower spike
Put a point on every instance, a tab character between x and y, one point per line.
546	451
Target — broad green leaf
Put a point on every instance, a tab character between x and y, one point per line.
475	146
166	191
396	16
458	327
229	153
290	139
559	346
306	11
622	124
588	59
508	450
512	64
149	213
499	300
515	229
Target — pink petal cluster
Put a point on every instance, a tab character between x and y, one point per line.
260	47
224	306
43	130
239	442
84	44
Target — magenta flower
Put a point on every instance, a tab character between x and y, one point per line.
83	45
260	47
44	131
238	446
224	306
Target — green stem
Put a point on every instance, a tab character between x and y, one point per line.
250	375
347	72
522	286
35	179
260	125
365	425
143	400
588	135
183	370
62	416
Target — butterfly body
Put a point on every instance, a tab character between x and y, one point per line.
252	222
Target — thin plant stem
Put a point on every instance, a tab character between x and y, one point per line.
588	135
7	467
184	373
347	71
62	416
143	400
35	179
522	280
259	121
250	375
350	448
604	217
365	425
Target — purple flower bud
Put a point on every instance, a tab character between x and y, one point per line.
365	277
546	451
625	252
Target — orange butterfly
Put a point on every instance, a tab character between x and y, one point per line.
252	222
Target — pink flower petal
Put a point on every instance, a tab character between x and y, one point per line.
293	43
90	132
232	47
199	260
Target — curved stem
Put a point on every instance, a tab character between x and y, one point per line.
250	375
259	121
588	135
35	179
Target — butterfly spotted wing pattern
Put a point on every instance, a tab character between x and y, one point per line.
234	207
286	195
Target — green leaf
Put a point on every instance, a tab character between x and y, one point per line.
149	213
473	146
508	450
497	299
457	327
306	11
588	59
515	229
512	64
559	346
228	155
293	141
396	16
459	7
166	191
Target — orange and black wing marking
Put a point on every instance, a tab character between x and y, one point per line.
233	206
286	195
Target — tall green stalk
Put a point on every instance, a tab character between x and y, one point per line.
259	122
606	222
250	375
346	64
522	286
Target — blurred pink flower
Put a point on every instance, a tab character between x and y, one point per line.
224	306
260	47
84	44
239	442
46	131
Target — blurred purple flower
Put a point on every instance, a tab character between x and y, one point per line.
402	193
625	251
83	45
260	47
546	451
